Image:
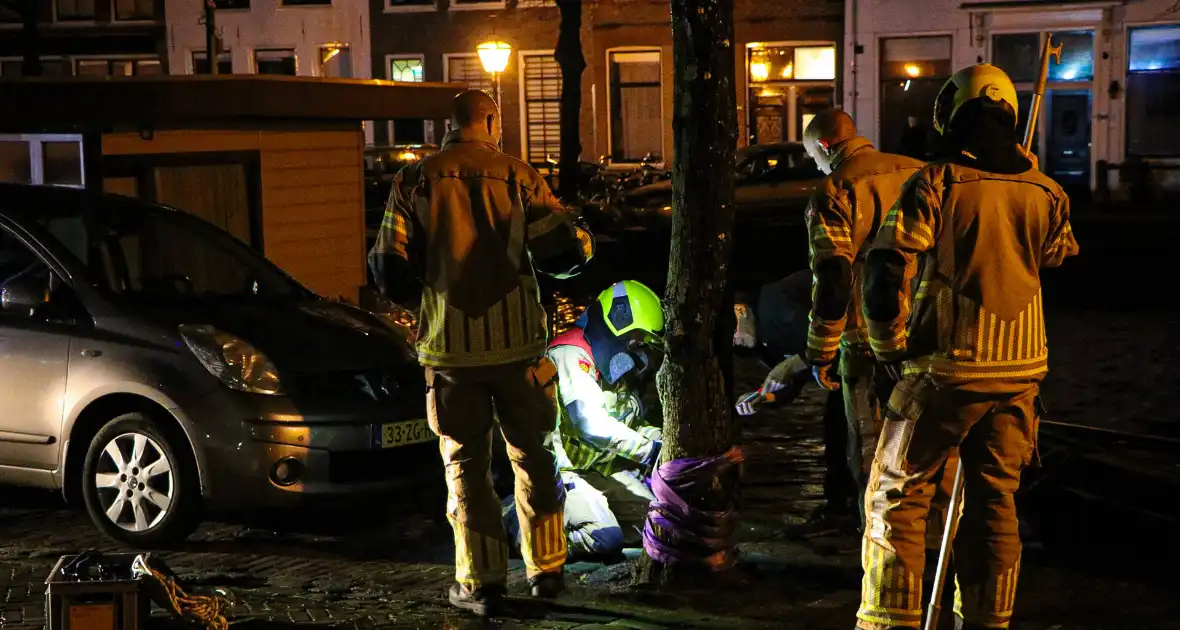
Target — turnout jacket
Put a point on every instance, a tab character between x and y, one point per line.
464	228
979	240
600	429
842	218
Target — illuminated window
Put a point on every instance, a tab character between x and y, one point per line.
407	69
465	68
814	64
542	107
1153	89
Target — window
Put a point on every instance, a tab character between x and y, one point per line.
275	61
407	69
307	3
49	68
410	5
41	159
232	5
460	5
336	61
26	275
84	67
636	102
225	63
1019	55
783	92
135	9
1153	89
541	109
465	68
913	70
9	14
1077	57
815	63
71	10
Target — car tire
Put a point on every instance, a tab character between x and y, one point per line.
154	495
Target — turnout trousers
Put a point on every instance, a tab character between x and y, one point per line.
993	424
860	378
463	405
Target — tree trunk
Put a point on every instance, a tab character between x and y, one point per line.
695	380
30	38
568	55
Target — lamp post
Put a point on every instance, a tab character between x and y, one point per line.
494	57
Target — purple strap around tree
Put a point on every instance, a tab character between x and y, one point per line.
687	534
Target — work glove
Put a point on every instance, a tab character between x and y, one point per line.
1030	156
783	373
826	376
748	403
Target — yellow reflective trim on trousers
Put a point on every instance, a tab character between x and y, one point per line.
479	559
888	622
544	546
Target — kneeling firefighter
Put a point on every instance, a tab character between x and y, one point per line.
604	443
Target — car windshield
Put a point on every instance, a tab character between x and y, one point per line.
149	252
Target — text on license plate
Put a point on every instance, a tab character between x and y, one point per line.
403	433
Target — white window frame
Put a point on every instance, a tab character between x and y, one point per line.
411	8
609	104
498	5
389	59
524	126
276	48
878	79
36	153
191	62
1118	130
744	120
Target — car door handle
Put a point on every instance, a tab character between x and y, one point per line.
91	353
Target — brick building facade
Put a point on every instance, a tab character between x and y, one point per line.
792	46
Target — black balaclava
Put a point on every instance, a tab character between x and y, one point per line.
987	131
611	354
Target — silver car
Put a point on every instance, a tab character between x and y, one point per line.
156	369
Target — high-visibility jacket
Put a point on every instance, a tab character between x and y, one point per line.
979	240
842	218
467	224
600	430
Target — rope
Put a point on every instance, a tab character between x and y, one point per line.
205	610
676	532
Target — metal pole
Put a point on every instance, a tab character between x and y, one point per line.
499	94
1034	112
944	553
211	52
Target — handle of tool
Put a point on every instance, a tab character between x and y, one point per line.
944	552
1034	111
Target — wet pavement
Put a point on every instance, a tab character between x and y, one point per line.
387	566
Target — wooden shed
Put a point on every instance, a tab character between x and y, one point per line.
276	161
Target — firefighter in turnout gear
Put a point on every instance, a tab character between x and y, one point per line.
979	224
603	441
842	219
464	229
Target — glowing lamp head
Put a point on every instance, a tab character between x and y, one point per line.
494	56
759	71
912	70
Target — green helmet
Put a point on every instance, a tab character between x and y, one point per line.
629	305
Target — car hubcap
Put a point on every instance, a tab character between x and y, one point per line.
135	482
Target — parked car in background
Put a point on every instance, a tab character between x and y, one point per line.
772	182
156	369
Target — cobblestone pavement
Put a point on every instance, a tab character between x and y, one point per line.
389	567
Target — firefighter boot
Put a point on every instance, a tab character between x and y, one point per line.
547	585
485	601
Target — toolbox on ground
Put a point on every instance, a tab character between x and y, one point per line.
93	591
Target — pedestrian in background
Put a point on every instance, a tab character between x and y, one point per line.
463	228
979	223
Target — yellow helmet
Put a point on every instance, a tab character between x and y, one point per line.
979	81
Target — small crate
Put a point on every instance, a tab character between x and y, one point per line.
113	599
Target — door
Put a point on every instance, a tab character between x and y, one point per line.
1068	151
34	351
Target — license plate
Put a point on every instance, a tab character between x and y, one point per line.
393	434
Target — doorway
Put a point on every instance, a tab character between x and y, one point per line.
1067	154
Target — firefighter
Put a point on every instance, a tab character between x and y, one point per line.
605	442
464	229
979	223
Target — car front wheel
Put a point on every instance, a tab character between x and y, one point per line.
140	486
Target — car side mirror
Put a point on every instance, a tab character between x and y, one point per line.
25	294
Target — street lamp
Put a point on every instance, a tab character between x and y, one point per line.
494	57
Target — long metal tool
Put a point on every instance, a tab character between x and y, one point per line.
944	553
1034	112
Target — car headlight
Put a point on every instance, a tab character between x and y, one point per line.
233	361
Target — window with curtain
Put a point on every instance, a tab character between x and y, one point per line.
1153	89
542	107
637	124
468	70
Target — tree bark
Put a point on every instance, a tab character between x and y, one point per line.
695	380
568	55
